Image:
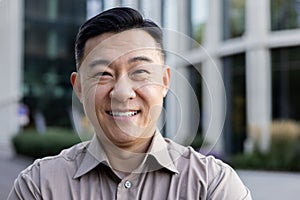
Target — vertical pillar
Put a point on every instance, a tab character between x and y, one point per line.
258	71
131	3
152	10
182	105
10	64
214	97
93	8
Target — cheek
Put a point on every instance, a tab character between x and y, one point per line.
152	96
101	96
93	96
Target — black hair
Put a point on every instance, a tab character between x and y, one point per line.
114	20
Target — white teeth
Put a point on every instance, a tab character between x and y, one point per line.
123	114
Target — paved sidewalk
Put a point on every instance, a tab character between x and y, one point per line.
9	169
272	185
262	184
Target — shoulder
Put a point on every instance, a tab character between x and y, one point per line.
45	173
216	178
67	160
186	158
187	155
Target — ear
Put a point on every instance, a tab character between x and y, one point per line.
166	79
76	83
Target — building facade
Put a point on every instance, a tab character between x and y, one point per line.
37	57
50	28
243	75
10	76
234	64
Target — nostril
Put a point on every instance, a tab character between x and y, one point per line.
132	95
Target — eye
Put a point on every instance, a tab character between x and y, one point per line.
140	71
140	74
103	76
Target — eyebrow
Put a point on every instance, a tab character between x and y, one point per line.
131	60
140	58
99	62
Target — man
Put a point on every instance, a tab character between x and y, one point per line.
121	80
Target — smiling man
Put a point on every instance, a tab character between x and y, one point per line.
121	81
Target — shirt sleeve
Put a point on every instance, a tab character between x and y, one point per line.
226	184
25	186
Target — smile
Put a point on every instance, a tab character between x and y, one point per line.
123	114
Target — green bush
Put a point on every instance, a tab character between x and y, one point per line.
197	142
282	157
284	152
270	161
33	144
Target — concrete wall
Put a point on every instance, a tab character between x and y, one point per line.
10	65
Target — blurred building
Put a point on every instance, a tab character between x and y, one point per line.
37	57
50	28
10	65
243	76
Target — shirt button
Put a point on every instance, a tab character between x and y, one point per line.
127	184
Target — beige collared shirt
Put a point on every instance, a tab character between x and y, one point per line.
169	171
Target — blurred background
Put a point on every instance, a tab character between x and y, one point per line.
241	59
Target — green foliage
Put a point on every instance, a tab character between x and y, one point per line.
197	142
284	14
33	144
199	33
283	156
284	152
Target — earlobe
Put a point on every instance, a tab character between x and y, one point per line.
75	81
166	80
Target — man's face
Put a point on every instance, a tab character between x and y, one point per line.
122	82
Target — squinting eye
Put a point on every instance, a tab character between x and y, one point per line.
140	75
140	71
103	74
103	77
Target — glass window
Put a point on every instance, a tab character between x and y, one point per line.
49	57
196	82
33	41
36	8
74	12
235	85
285	14
233	18
286	83
199	9
191	81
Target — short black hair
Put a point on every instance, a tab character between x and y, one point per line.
114	20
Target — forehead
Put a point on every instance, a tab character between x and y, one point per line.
111	46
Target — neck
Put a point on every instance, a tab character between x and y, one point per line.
125	159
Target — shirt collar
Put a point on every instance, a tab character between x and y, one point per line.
158	156
160	153
94	155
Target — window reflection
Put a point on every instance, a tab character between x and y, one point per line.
285	14
50	28
235	85
233	18
199	13
286	83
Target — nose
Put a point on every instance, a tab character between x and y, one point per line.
123	90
